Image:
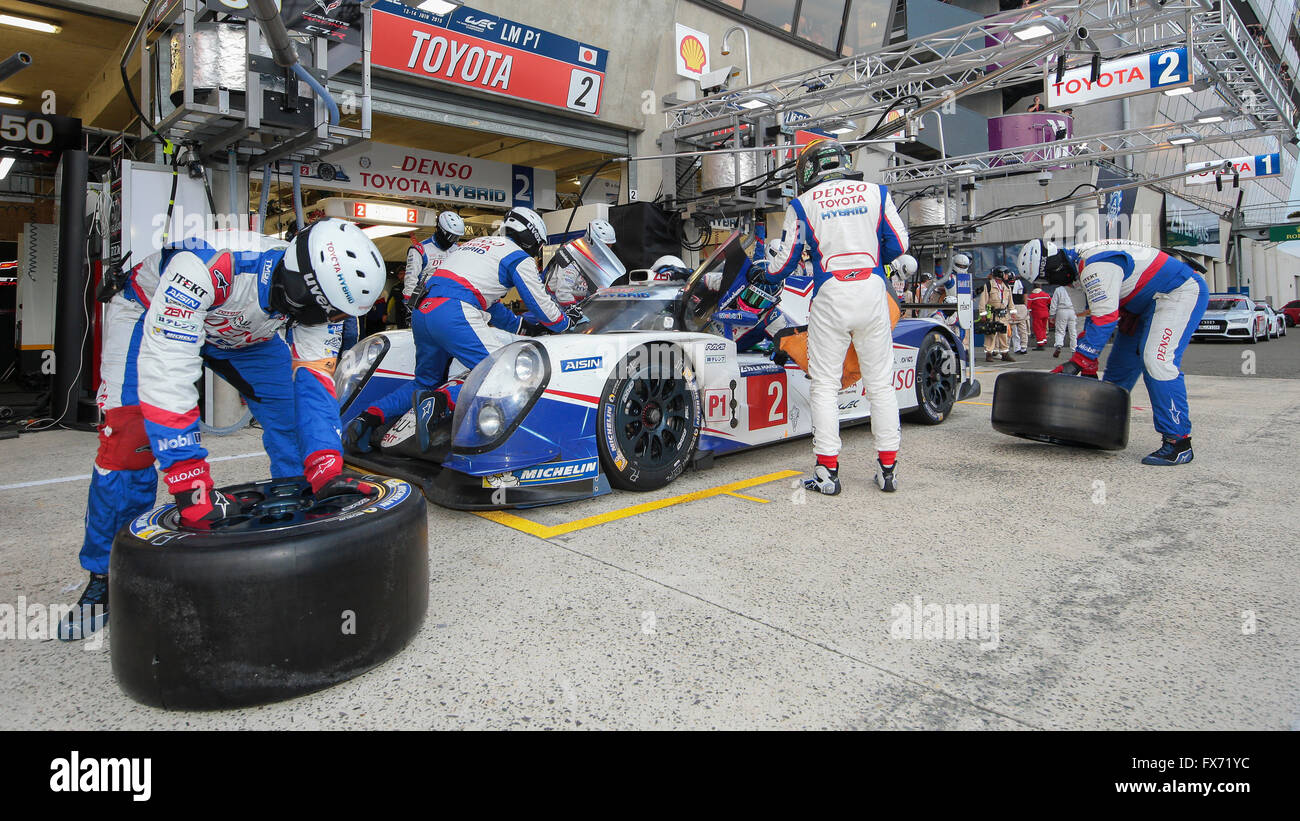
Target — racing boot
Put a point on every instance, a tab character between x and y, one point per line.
91	612
825	480
431	410
1056	354
886	477
1173	451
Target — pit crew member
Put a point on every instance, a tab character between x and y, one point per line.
423	258
461	300
851	230
1155	302
221	299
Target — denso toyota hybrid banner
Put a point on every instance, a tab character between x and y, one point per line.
409	173
484	52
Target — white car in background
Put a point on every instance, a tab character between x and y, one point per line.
1276	323
1232	316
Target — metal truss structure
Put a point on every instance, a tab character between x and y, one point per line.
923	74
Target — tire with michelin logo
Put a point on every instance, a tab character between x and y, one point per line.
1061	410
284	597
649	418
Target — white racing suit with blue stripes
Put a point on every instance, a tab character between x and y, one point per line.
850	230
203	301
460	307
1166	299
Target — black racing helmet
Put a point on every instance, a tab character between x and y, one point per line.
822	160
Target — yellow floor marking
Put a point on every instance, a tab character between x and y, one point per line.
973	402
749	498
549	531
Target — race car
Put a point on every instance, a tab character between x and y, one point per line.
655	384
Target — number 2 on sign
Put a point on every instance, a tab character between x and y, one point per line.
584	91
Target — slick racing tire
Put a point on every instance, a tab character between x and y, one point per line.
287	597
1061	410
938	375
648	422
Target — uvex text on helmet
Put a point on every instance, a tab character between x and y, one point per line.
526	228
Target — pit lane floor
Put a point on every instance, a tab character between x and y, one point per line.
1127	596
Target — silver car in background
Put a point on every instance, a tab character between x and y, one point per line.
1232	316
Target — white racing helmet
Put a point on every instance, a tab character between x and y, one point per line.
600	230
450	229
905	265
330	266
961	262
525	228
674	266
1032	261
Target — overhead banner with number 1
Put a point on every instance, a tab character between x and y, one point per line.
483	52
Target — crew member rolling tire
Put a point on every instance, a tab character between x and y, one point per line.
288	595
1061	409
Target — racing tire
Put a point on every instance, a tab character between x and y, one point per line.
649	418
289	597
937	379
1061	410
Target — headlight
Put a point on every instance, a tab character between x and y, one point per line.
356	365
498	394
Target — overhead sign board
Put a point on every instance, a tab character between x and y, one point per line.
38	137
1284	233
410	173
1138	74
1192	228
1247	168
480	51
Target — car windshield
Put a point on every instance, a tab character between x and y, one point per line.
629	308
1227	305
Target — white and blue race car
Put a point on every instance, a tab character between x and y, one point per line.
654	384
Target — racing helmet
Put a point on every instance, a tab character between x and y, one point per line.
1002	273
961	262
1040	258
525	228
672	265
600	230
822	160
904	265
449	231
330	266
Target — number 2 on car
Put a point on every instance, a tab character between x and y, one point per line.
766	394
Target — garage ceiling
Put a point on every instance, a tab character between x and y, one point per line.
79	64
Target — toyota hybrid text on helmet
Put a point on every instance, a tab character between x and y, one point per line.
600	230
330	266
822	160
1040	258
525	228
450	229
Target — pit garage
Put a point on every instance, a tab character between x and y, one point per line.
610	528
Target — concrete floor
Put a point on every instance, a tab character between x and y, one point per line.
1121	592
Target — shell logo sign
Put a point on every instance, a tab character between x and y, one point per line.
692	52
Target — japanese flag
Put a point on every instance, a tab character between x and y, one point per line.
587	54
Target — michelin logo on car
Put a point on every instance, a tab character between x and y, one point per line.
551	473
590	363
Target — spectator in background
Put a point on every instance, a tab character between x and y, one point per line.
1019	316
1039	304
1062	312
1037	105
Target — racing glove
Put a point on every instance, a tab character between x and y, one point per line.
190	483
360	431
321	467
577	320
343	485
1079	365
1128	322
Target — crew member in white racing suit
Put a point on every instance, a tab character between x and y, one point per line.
1062	312
423	258
566	281
851	230
221	299
461	301
1155	301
